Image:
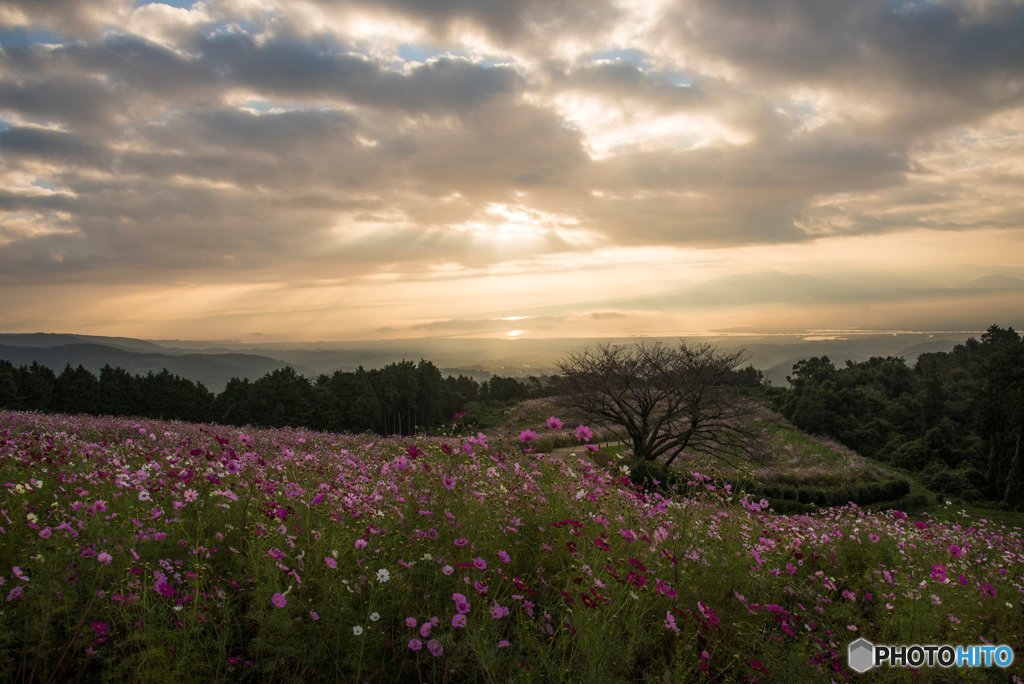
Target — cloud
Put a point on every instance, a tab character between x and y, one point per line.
31	143
294	66
919	64
264	141
506	21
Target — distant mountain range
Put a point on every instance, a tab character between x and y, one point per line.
213	370
215	362
995	282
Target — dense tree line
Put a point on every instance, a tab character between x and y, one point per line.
955	417
401	398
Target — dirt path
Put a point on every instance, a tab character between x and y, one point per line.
597	456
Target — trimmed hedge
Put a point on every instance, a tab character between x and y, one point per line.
784	497
860	494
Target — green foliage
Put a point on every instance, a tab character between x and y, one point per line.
402	398
955	418
651	475
858	493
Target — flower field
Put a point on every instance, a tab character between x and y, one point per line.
139	550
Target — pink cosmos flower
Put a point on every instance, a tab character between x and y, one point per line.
939	573
330	562
314	616
554	423
191	495
448	481
279	600
583	433
461	603
425	629
527	436
101	630
708	613
415	644
499	611
410	622
504	643
504	557
435	648
104	557
458	620
670	622
360	544
479	563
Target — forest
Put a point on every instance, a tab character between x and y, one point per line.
954	419
399	399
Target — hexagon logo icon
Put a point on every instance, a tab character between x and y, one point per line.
861	655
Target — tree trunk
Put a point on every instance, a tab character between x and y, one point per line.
1015	478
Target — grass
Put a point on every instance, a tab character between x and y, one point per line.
150	551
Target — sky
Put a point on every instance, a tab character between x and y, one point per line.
373	169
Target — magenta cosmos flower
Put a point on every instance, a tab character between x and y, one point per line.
279	600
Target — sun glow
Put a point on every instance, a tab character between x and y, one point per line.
519	224
608	128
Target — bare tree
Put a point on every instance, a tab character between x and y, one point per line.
663	400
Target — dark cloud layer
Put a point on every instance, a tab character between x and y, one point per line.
143	143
